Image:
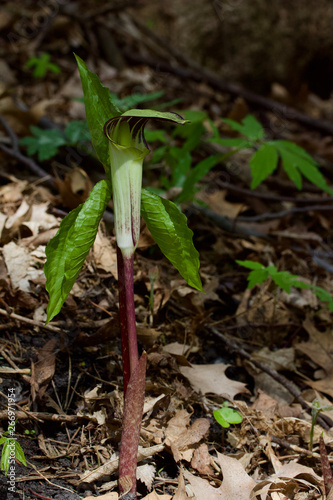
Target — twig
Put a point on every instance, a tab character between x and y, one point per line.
29	321
230	225
46	417
294	447
323	420
279	215
15	153
270	196
214	81
24	413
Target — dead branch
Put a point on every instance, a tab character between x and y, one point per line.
285	112
322	420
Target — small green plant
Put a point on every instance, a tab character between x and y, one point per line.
179	160
120	144
282	279
295	160
226	415
11	450
316	409
42	65
46	143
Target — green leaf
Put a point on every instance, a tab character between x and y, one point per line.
195	175
169	229
156	135
250	264
258	275
233	142
194	138
77	131
67	251
297	161
99	109
42	64
5	457
44	142
226	416
250	127
131	101
179	161
19	453
263	163
167	116
283	279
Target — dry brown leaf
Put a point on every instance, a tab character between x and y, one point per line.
20	266
212	379
181	448
105	254
181	490
319	347
146	474
176	426
155	496
236	484
220	205
107	496
75	187
287	483
45	367
111	466
201	460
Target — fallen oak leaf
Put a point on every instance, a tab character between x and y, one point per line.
236	484
212	379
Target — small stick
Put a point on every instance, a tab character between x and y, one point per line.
29	321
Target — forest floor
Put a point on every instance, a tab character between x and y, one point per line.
265	352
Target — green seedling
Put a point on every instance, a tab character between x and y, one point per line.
316	409
119	141
295	160
282	279
46	143
226	415
11	450
42	65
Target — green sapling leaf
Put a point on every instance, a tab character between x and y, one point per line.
169	229
77	131
263	163
282	279
195	175
66	252
297	161
44	142
250	127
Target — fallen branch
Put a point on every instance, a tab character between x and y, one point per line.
323	420
283	111
16	153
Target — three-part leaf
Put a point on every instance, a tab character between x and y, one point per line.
169	229
44	142
67	251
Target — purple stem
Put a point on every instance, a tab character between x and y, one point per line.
127	316
133	410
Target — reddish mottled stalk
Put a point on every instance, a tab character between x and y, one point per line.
133	410
127	316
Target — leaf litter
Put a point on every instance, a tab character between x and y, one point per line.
75	378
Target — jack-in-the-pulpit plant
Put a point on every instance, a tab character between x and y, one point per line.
121	147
